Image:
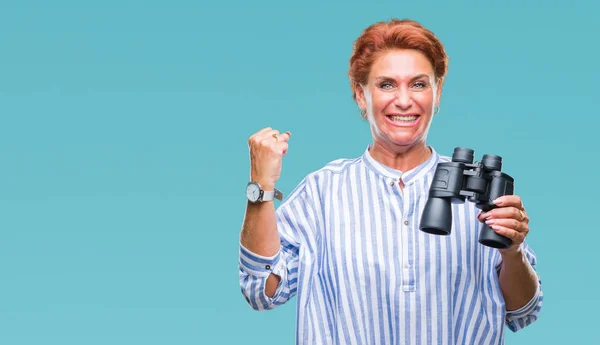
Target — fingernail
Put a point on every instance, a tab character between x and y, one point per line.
489	222
498	201
485	214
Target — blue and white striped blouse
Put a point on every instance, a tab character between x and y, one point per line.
363	272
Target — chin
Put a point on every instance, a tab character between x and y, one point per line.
405	140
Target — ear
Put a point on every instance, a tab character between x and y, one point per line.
438	96
360	96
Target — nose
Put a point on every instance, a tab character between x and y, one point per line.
403	99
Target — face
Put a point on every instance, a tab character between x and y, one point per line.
399	97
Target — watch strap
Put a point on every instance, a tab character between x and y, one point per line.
272	194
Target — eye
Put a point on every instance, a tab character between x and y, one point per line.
420	85
386	85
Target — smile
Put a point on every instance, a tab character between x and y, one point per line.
403	120
409	118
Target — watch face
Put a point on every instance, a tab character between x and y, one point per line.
252	192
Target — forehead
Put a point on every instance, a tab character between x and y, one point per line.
400	64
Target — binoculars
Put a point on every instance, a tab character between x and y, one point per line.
461	179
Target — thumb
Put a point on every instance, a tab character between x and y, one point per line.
285	137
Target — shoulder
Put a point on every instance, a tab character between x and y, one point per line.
443	158
314	182
336	166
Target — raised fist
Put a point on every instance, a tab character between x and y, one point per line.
267	148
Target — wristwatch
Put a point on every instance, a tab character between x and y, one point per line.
255	193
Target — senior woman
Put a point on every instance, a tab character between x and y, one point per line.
346	242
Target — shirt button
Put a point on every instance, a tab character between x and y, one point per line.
406	222
406	265
392	183
268	267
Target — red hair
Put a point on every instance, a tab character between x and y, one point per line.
395	34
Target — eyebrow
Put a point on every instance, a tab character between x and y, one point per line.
418	76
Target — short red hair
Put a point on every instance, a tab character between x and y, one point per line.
395	34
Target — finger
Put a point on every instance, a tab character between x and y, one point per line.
260	133
270	134
515	236
523	217
282	148
509	224
285	137
257	137
509	200
507	212
268	138
481	216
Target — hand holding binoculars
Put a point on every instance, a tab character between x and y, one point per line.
461	179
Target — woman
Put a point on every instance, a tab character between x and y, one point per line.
346	242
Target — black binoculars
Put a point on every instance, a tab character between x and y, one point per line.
455	181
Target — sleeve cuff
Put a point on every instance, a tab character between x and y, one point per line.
258	265
261	267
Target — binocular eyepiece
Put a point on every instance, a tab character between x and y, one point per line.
461	180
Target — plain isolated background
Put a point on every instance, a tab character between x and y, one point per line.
123	152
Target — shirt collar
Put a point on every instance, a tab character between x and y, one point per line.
407	176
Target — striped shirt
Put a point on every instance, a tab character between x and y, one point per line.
363	273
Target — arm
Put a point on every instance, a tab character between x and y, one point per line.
518	279
521	288
519	282
269	275
267	261
259	230
259	236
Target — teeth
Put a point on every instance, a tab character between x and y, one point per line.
403	118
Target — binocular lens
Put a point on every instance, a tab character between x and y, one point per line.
492	162
463	155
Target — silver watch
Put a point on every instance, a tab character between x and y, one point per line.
255	193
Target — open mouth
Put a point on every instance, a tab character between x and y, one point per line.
403	119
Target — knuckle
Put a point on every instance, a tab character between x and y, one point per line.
517	213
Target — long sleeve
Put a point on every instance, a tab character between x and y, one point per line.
254	270
295	225
517	320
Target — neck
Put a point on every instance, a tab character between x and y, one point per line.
400	158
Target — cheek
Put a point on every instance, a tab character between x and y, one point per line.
381	100
425	100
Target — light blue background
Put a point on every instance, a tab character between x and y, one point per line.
123	152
